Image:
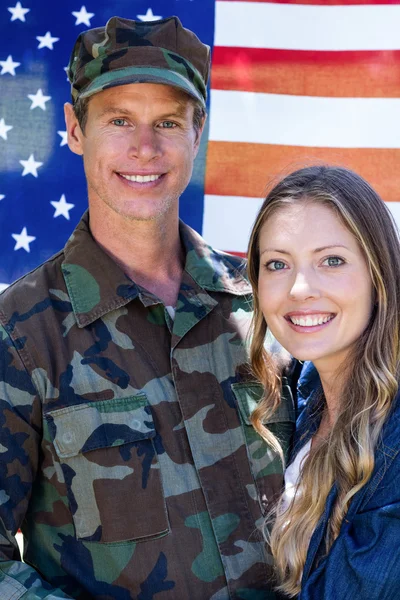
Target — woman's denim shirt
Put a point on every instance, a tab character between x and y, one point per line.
364	561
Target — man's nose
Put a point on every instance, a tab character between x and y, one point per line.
305	286
144	143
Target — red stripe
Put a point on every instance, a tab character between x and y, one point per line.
321	2
242	254
368	74
247	168
225	55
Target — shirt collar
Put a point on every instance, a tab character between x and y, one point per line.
213	270
97	285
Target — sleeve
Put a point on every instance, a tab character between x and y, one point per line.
364	561
20	438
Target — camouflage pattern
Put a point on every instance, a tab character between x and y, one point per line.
126	51
128	458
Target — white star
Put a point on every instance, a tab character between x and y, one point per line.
149	16
23	240
30	166
18	12
4	128
83	16
64	138
2	196
62	207
38	100
46	41
8	66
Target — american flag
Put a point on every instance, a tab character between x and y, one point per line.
292	83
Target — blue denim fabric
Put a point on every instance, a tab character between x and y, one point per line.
364	561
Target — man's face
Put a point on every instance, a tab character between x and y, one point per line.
138	149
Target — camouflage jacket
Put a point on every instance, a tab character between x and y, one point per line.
127	455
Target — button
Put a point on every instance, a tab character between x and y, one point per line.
68	437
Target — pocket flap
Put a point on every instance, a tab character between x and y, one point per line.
248	396
107	423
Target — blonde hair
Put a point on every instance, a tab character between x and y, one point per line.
346	459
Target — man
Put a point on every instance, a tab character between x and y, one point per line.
128	458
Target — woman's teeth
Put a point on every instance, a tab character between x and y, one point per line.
311	321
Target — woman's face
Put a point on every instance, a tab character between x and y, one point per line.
314	287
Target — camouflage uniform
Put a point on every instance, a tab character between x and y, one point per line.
128	459
126	51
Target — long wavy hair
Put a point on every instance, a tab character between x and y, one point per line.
369	383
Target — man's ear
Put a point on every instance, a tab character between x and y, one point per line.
74	131
198	136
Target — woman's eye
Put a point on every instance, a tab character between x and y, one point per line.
275	265
333	261
119	122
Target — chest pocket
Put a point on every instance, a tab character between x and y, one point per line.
107	454
265	463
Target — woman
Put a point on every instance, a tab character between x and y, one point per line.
324	263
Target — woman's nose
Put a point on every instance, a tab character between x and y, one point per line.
304	286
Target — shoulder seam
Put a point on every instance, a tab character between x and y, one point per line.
49	260
24	360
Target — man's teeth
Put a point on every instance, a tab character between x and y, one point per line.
311	321
141	178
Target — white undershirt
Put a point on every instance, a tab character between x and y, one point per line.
171	311
292	476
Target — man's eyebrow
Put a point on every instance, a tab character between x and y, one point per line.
179	111
114	110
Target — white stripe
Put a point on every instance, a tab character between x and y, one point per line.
3	286
395	210
304	120
303	27
228	220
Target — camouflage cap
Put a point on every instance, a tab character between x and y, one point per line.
126	51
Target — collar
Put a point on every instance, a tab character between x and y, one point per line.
310	394
97	285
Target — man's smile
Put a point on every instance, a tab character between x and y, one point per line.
141	178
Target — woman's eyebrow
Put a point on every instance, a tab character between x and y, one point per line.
274	250
316	251
329	247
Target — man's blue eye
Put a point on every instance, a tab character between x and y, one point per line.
119	122
168	125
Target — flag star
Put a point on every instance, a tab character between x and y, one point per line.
64	138
2	196
23	240
18	12
38	100
8	66
4	128
83	16
30	166
62	207
149	16
46	41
